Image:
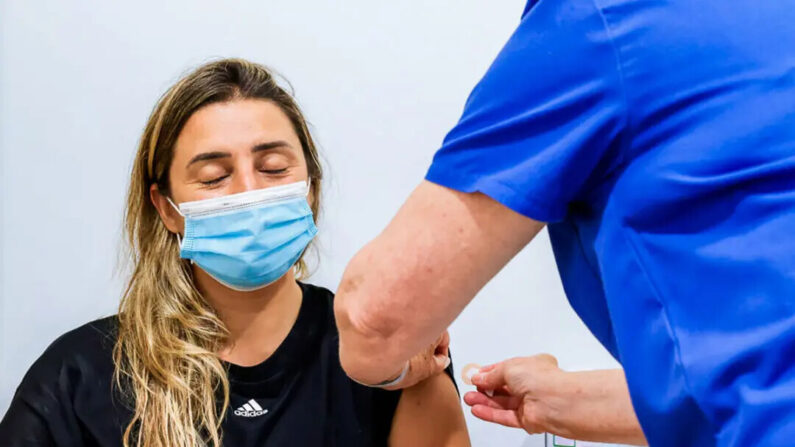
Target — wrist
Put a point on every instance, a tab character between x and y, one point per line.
562	414
394	380
591	406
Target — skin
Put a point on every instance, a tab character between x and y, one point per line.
533	393
408	285
245	145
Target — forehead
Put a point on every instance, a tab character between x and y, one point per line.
235	124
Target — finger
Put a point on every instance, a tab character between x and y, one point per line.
443	350
441	362
491	379
507	418
507	401
498	392
473	398
488	368
445	340
442	345
499	402
439	339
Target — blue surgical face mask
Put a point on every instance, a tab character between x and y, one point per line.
248	240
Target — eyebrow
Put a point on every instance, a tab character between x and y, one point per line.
204	156
270	145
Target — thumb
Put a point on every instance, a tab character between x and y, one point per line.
490	378
440	362
443	344
548	358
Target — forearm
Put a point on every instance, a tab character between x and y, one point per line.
368	352
406	287
382	323
596	407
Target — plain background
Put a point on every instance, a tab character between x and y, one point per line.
381	83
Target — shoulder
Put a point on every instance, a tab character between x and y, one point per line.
319	299
313	291
84	350
96	333
98	336
70	380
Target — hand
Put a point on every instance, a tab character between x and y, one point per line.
518	386
428	363
534	394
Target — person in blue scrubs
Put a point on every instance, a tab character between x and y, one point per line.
656	142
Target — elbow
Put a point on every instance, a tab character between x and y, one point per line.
360	347
366	332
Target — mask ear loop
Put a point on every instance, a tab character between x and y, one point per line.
176	208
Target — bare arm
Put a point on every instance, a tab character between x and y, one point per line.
429	415
601	409
533	393
406	286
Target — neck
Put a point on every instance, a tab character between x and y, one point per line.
257	321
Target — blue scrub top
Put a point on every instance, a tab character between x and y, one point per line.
657	139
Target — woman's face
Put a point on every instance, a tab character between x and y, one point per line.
231	147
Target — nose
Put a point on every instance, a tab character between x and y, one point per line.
244	179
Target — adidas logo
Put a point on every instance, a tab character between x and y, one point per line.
250	409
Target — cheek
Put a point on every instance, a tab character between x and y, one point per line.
299	171
301	162
178	191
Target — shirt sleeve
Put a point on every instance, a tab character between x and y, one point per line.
24	426
546	119
41	413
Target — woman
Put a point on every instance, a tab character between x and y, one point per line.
215	341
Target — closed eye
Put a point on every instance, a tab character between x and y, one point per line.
214	181
273	171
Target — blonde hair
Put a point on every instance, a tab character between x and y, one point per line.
166	362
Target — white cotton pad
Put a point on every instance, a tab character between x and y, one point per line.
469	371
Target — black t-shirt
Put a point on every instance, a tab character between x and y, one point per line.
300	396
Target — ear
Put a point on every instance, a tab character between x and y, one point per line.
170	217
311	197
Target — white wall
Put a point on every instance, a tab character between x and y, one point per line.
381	82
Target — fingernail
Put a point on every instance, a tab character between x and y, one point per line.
447	363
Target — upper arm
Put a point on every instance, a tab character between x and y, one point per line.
429	415
24	426
42	411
